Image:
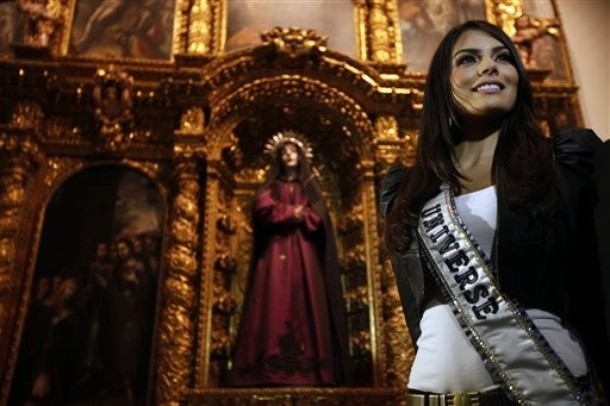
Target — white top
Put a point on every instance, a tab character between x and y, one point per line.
479	211
445	359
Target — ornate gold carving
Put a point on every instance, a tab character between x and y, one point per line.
504	12
358	298
192	122
224	270
224	303
44	18
225	263
56	167
386	128
526	30
296	396
200	18
112	94
18	159
294	46
221	342
225	223
176	329
59	129
379	36
294	87
27	115
400	351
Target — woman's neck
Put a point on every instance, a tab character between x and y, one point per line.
474	160
474	149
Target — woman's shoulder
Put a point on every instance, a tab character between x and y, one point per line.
575	150
394	176
391	183
576	144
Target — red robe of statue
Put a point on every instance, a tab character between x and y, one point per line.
285	333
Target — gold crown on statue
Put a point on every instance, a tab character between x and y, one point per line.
278	140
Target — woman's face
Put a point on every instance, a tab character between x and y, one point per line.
483	78
290	156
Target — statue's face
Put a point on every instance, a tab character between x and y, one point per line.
290	156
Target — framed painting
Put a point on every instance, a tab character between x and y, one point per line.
423	23
88	331
247	19
140	29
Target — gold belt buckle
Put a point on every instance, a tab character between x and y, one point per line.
461	399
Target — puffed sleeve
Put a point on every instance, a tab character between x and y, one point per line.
575	151
390	187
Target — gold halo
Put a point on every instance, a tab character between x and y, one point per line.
278	140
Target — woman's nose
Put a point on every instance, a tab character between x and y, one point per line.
487	66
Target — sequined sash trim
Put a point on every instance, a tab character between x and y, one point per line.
515	352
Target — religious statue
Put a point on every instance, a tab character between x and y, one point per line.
293	330
526	33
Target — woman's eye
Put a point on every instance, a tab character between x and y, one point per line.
505	57
465	59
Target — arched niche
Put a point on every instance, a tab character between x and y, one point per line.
90	303
341	135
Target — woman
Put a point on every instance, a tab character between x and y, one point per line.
293	330
492	238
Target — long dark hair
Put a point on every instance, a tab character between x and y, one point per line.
529	183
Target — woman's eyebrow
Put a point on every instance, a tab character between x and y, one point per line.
478	51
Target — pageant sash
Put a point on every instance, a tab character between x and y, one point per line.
513	349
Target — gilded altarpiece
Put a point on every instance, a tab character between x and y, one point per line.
85	86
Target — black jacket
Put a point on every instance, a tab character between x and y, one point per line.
548	265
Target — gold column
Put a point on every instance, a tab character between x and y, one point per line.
398	348
176	325
19	158
379	34
200	24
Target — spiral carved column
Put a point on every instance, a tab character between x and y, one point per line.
177	328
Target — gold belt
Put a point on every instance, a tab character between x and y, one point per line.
495	398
